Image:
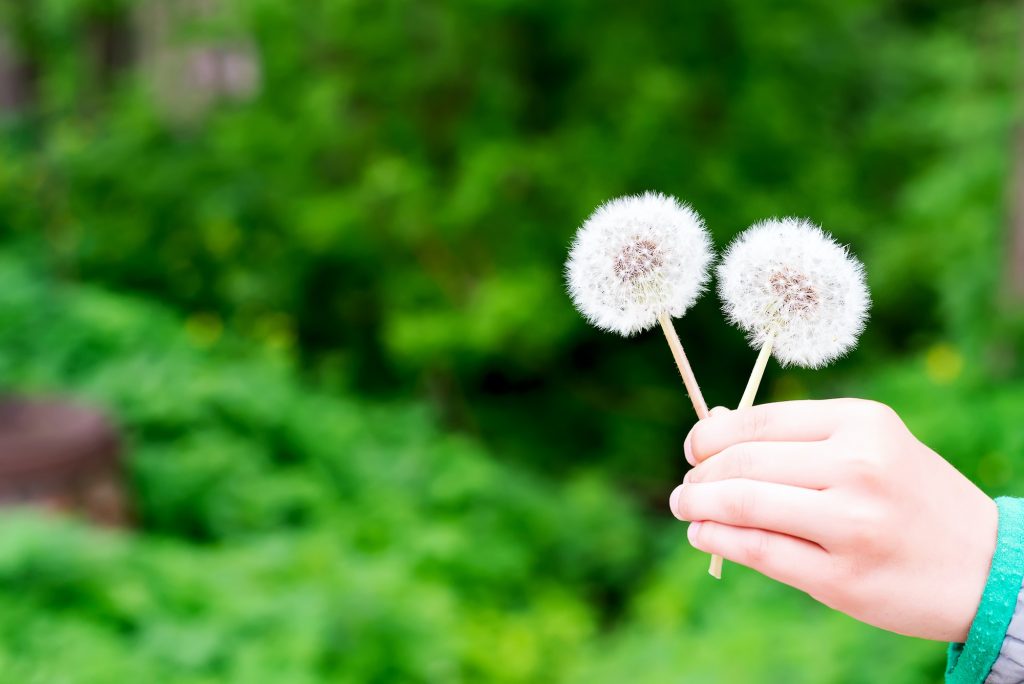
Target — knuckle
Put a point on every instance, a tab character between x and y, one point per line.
846	590
876	411
734	462
865	467
744	462
756	549
755	422
858	538
864	526
740	505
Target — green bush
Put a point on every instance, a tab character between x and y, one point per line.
286	534
289	535
395	202
369	440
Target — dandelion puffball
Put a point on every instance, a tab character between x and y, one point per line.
635	258
788	282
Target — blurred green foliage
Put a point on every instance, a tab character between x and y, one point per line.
291	535
395	203
288	535
370	439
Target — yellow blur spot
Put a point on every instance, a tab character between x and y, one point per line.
204	329
222	238
943	363
276	331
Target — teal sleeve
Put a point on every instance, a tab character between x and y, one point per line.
970	663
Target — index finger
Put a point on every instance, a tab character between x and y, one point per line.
787	421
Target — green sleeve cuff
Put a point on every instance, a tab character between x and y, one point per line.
970	663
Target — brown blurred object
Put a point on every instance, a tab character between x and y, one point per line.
16	78
188	69
189	76
1015	249
61	456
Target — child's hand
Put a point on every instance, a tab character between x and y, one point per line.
839	500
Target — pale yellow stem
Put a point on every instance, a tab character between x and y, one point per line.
689	379
715	569
755	375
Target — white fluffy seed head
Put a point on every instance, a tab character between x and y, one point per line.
790	278
636	257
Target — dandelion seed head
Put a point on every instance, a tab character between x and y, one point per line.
789	278
637	261
636	257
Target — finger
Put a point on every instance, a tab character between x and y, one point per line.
788	421
794	511
793	561
718	410
798	464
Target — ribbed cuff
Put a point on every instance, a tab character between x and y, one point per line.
971	662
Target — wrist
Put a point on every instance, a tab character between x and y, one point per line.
982	537
972	660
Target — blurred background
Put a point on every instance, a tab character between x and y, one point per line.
282	319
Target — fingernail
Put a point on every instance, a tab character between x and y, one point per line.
691	533
673	501
687	451
718	409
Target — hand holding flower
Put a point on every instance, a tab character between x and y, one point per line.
838	499
797	293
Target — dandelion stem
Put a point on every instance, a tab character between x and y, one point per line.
689	379
715	569
693	389
755	375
